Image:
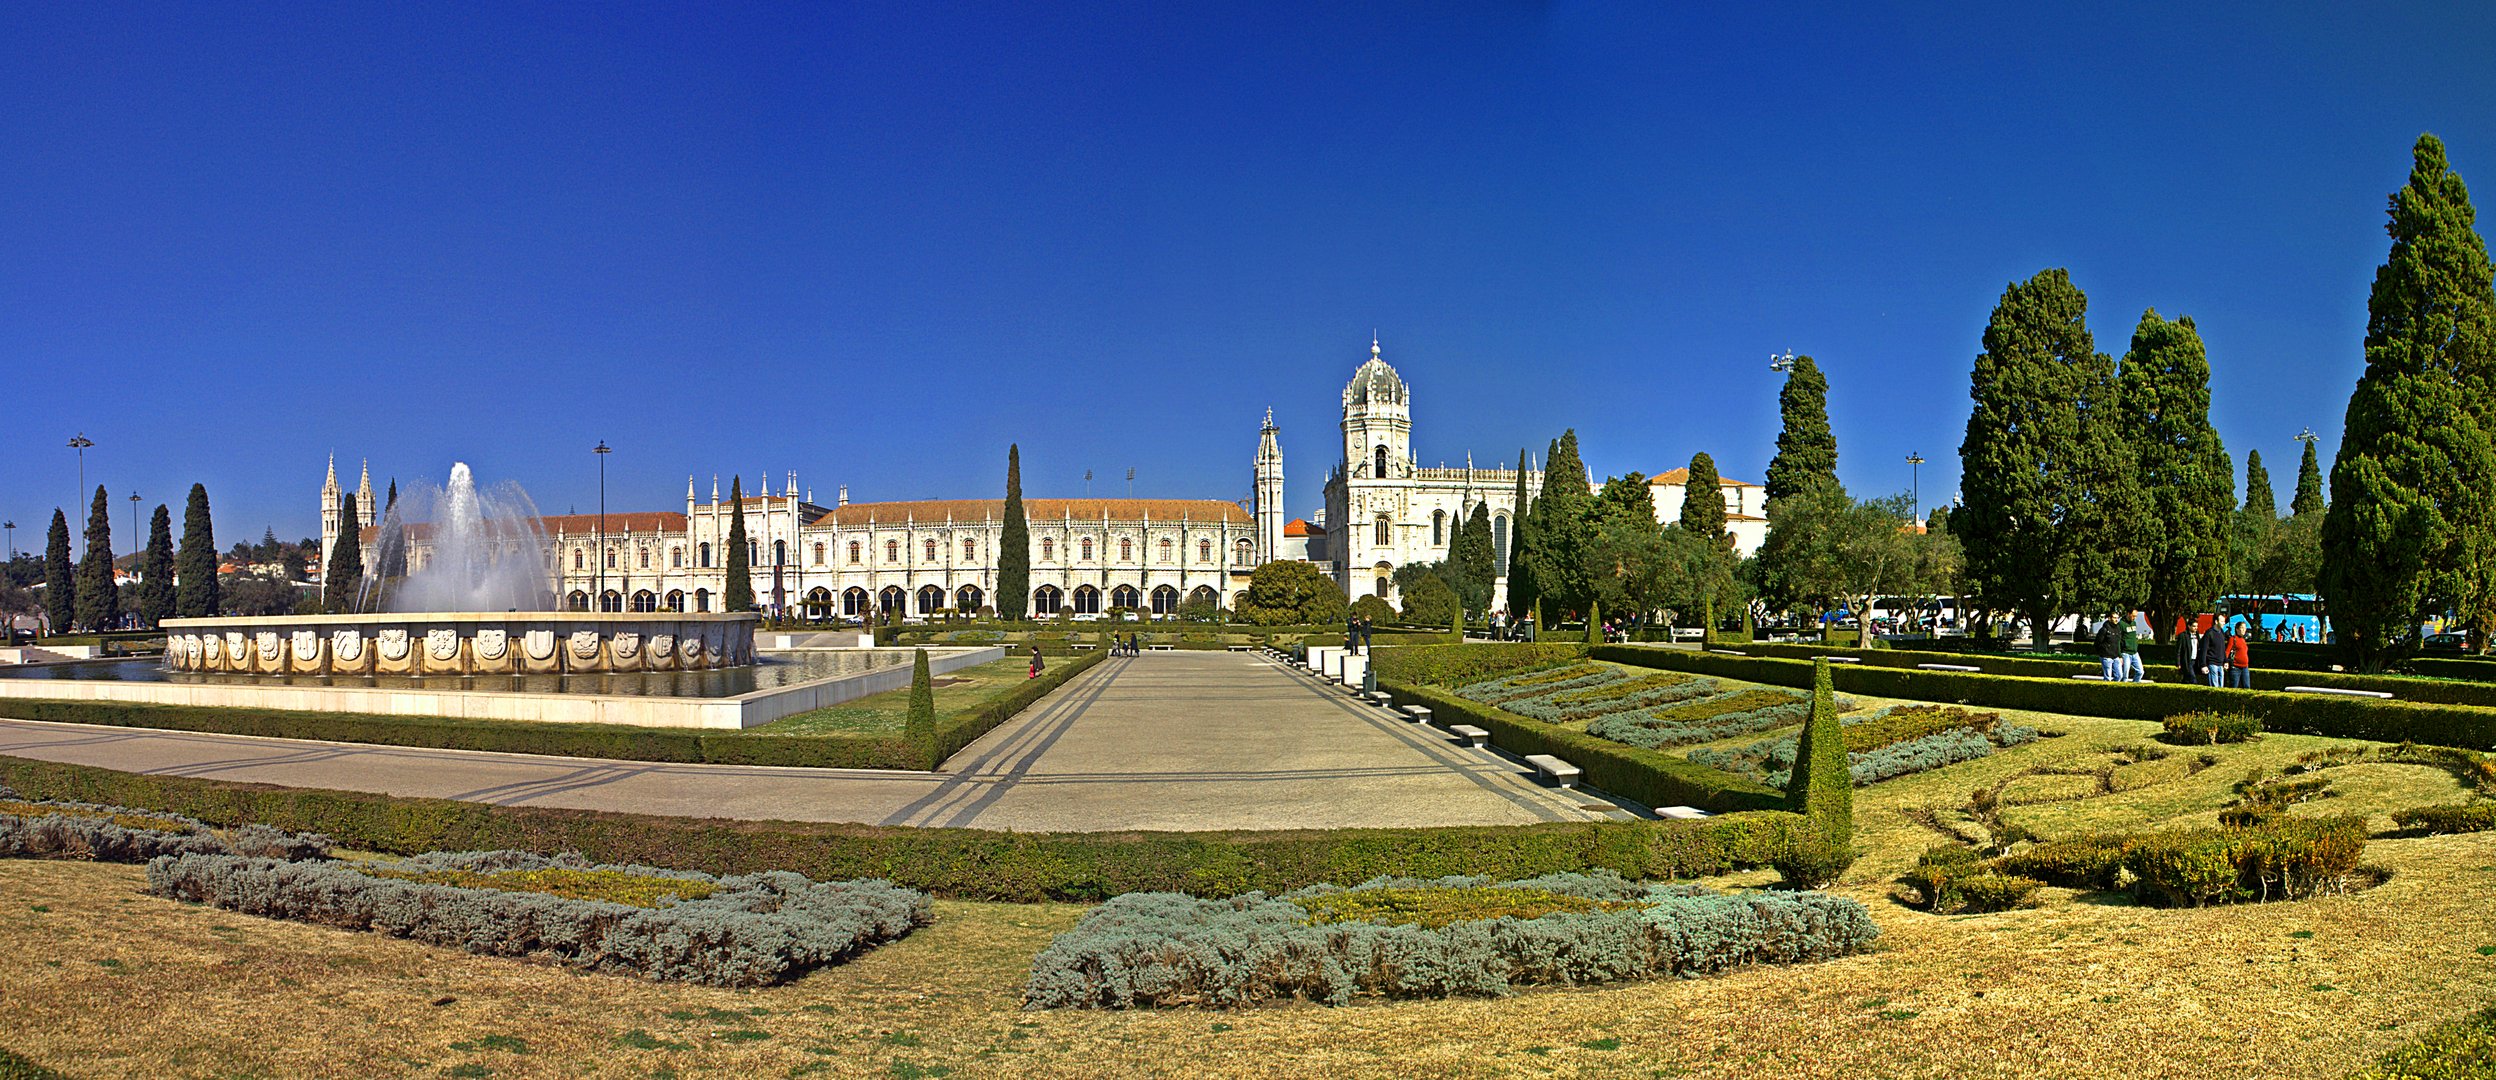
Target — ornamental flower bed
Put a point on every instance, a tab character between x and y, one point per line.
1403	937
670	925
76	830
1897	741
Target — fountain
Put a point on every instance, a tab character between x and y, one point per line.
477	600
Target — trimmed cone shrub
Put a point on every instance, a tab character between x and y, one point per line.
920	728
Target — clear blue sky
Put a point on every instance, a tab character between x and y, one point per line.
876	242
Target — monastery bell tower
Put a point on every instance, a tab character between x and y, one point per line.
1269	492
1377	422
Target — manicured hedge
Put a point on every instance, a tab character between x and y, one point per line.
611	741
1650	777
2158	663
2295	714
965	863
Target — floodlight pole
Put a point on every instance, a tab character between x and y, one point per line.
602	450
1915	485
80	443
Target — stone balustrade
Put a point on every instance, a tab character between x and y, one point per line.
485	643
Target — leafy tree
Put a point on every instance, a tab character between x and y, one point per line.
1013	544
1474	563
1373	608
1825	549
737	594
1430	601
1806	448
2178	470
2028	459
2293	558
2309	498
257	594
1626	498
60	585
2259	500
1288	592
1627	565
99	602
156	579
1562	525
342	576
1520	537
2407	533
196	567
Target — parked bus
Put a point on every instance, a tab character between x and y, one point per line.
2293	617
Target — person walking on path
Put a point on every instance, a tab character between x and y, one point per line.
2239	660
2109	650
2133	629
1035	662
2214	654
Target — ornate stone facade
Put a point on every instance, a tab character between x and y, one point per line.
458	644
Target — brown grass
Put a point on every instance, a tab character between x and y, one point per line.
887	713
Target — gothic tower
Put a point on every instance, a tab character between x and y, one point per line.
365	510
332	505
1269	492
1377	422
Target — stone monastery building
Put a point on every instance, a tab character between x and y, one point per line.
917	558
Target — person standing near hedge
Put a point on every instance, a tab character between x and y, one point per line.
2239	660
2109	650
2133	627
1035	661
2187	650
2214	654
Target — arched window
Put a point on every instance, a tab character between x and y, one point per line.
931	600
645	558
676	600
968	598
1385	531
818	603
1382	588
818	552
701	600
1165	549
931	551
853	601
1087	600
1048	549
1087	557
578	601
676	561
779	553
1125	596
1165	601
702	554
611	600
610	558
892	551
1126	550
1499	542
1438	527
645	601
1045	600
970	551
1244	552
1382	462
576	564
853	557
1204	551
891	599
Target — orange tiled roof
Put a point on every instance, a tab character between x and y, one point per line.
1682	476
969	510
1301	527
618	523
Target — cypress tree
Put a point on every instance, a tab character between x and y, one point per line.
60	584
1823	786
738	593
1806	448
920	728
2406	534
2309	498
99	602
1560	528
343	573
1703	515
197	565
2026	462
1456	629
2260	501
1474	561
2169	511
1013	544
393	542
1594	622
1520	537
156	582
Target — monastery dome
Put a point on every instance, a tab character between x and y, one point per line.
1375	382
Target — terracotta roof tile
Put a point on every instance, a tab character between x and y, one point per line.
1682	476
967	510
618	523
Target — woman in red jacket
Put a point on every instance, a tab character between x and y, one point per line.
2239	659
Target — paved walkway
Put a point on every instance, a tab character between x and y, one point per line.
1163	741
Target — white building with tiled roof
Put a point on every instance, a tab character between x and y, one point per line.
1746	506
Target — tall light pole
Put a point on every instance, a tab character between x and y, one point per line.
80	443
1915	485
11	528
1781	364
135	542
602	451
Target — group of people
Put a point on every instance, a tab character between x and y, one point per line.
2218	654
1503	630
1357	633
1126	646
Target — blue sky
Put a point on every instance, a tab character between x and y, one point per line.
874	243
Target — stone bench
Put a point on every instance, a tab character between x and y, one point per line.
1469	734
2341	691
1950	667
1160	648
1380	698
1084	648
1239	648
1844	659
1561	773
1680	813
1419	713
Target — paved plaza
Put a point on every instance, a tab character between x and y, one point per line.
1164	741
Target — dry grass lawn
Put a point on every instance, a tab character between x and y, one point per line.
957	692
97	978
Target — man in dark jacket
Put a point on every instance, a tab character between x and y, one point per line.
2187	651
2110	650
2214	654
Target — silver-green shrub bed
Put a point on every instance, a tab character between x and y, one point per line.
1699	720
748	930
1169	949
91	831
1771	761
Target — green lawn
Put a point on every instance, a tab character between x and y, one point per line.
884	714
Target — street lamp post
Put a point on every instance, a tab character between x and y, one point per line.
11	528
1915	485
602	450
80	443
135	542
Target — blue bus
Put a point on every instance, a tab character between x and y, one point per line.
2290	617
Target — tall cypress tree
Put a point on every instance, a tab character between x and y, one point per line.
2169	504
1561	526
99	602
738	593
1475	562
2309	498
391	546
1703	515
60	583
156	580
197	565
2407	531
1806	448
2025	465
2260	501
1520	538
1013	544
342	573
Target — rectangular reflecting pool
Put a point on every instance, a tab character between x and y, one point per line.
771	671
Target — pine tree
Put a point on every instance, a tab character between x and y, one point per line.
2178	486
1560	529
2407	531
60	583
1013	544
920	727
2309	498
1474	562
197	566
1806	448
2260	501
738	593
2027	460
156	580
1520	537
99	602
342	575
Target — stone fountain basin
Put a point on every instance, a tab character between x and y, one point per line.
460	643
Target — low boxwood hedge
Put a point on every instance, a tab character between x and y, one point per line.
1650	777
2160	668
965	863
2295	714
